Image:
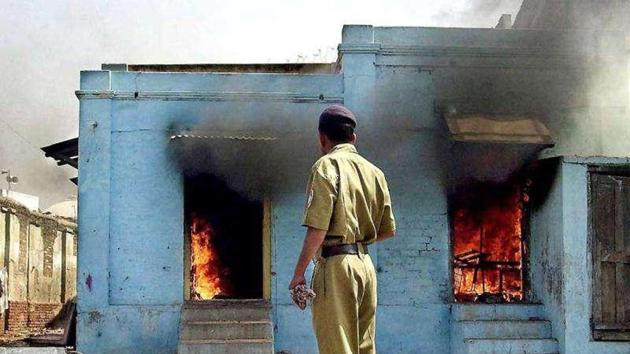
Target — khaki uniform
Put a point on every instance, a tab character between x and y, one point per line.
348	197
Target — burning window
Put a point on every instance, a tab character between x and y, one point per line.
487	221
224	241
209	277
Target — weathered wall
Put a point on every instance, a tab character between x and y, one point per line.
577	87
577	266
31	246
395	79
546	249
395	102
562	266
131	189
144	230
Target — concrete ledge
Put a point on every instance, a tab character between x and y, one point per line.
95	80
30	350
357	34
479	312
296	97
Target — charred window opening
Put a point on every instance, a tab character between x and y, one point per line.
224	241
488	242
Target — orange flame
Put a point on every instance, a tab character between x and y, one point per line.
487	241
209	276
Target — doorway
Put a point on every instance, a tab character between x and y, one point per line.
227	238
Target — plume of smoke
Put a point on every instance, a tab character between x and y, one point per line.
253	162
605	128
477	12
258	161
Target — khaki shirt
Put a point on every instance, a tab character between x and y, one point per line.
348	196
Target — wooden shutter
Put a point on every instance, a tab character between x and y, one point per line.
610	217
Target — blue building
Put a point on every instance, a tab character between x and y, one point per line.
451	115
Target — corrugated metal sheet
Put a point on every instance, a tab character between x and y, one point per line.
223	137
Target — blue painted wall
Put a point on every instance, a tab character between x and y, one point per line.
577	282
546	248
562	259
130	259
131	190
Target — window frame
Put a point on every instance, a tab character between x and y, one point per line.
601	331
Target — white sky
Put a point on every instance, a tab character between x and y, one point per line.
44	45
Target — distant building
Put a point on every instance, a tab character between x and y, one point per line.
66	209
27	200
39	252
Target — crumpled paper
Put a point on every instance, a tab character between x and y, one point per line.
302	295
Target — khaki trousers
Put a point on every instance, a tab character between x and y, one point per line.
345	304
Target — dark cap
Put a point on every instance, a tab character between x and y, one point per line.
337	114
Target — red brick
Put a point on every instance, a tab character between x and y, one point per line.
23	315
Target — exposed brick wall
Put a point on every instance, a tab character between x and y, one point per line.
413	266
18	316
35	242
40	315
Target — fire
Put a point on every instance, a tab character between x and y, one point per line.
209	277
487	246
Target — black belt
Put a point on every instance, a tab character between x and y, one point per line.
335	250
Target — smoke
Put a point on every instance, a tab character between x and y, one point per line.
274	156
477	13
585	106
254	162
597	121
44	45
489	8
489	163
37	175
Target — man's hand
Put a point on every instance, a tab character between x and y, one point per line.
312	241
297	280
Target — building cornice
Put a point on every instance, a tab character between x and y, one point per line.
359	48
451	51
467	56
486	52
208	96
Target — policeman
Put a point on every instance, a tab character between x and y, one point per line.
348	207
